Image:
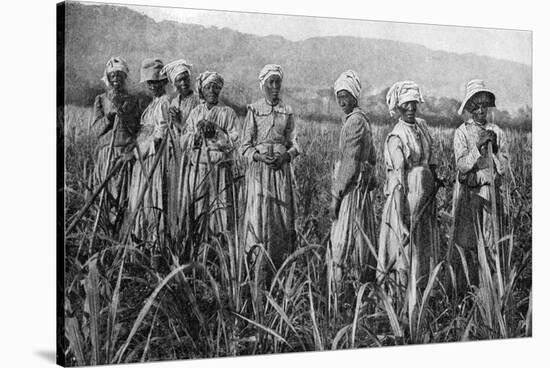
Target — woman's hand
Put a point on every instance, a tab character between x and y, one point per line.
197	139
262	157
486	136
111	117
482	139
174	114
279	161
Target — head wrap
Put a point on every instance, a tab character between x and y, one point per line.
175	68
114	64
348	81
474	87
402	92
269	70
209	77
150	70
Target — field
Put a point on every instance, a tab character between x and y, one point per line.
119	307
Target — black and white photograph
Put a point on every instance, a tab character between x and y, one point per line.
236	183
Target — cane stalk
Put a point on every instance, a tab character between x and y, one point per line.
102	197
494	218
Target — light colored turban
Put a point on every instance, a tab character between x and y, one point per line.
150	70
175	68
269	70
474	87
209	77
114	64
348	81
402	92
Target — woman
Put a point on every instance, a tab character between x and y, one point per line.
269	145
150	213
115	112
179	75
409	215
212	136
353	217
478	169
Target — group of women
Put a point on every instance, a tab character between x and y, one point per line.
181	155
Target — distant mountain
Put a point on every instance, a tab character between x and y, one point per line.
96	32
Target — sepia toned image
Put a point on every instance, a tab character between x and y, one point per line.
244	184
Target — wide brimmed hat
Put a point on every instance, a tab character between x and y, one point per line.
150	70
474	87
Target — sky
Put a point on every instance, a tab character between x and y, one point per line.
498	43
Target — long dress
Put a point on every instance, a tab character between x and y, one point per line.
471	197
270	212
410	204
352	179
150	223
209	189
178	161
128	110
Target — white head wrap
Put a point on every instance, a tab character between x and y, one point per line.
269	70
402	92
348	81
175	68
114	64
208	77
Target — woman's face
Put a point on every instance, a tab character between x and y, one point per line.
183	83
408	111
346	101
272	88
478	106
117	79
211	93
156	87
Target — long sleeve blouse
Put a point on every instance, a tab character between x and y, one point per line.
269	127
128	110
356	150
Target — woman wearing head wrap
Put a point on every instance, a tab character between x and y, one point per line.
353	179
269	145
178	73
115	112
409	239
211	136
478	169
151	213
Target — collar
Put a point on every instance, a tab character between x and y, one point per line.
111	94
263	108
356	110
473	122
410	125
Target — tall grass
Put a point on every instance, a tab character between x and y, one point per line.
122	307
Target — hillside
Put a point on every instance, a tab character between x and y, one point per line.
94	33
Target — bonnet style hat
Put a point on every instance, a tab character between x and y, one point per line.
474	87
150	70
